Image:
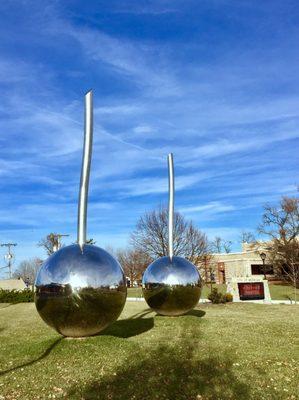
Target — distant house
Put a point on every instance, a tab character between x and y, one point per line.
246	263
10	284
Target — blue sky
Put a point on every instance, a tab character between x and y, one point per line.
214	82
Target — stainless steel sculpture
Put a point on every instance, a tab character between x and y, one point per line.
171	285
81	288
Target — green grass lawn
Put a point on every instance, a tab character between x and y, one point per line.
278	292
232	351
137	292
282	292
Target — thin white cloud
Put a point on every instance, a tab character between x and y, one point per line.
225	232
213	207
141	8
116	110
139	61
142	129
155	185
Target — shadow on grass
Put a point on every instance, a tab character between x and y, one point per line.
167	372
196	313
137	324
143	313
31	362
132	326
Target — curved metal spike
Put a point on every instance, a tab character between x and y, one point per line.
170	204
85	170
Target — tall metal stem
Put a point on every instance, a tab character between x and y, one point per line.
170	204
85	170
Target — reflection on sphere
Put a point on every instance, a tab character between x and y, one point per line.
80	293
171	287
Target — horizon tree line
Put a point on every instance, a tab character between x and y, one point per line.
149	240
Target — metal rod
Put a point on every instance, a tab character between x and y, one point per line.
85	170
170	204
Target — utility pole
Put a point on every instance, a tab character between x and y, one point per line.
9	256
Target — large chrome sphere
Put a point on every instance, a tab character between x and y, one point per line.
80	293
171	287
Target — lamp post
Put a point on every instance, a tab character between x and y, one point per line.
263	257
212	278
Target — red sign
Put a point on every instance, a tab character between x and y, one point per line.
251	291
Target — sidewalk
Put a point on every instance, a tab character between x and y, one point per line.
246	301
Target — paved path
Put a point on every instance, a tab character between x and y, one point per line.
247	301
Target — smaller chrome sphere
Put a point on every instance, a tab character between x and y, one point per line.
79	293
171	287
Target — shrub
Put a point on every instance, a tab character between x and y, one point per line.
228	297
16	296
217	297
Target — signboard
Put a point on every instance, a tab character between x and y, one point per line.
251	291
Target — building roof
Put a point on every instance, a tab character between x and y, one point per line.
10	284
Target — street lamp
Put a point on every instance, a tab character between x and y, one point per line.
212	278
263	257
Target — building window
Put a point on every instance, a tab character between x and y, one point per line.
258	269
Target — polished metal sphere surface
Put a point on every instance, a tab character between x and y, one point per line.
171	287
79	293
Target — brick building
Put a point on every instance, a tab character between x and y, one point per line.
246	263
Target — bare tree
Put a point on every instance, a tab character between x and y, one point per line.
219	245
27	270
227	246
281	225
151	236
134	263
207	267
247	237
216	245
50	243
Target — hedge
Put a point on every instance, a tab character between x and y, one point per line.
16	296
